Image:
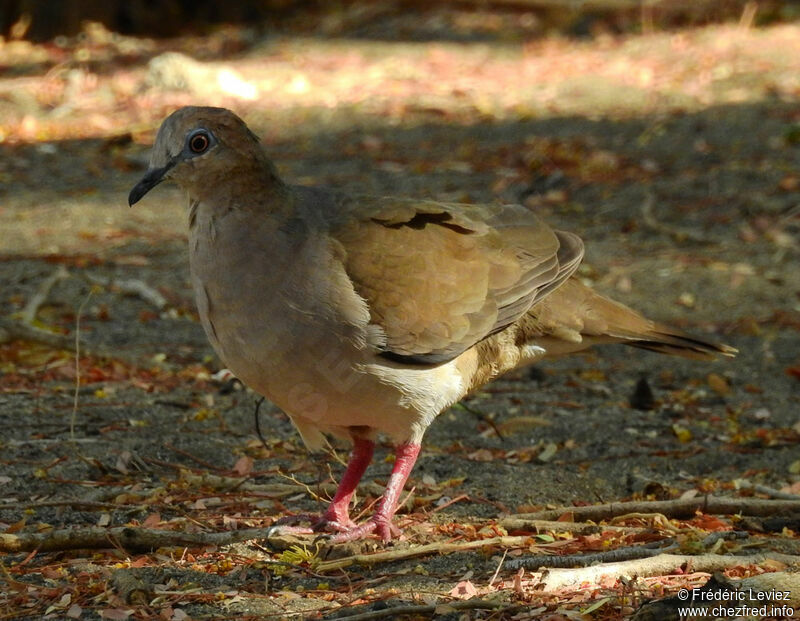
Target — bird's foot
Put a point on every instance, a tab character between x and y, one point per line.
335	520
376	524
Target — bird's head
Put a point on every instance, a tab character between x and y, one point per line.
198	148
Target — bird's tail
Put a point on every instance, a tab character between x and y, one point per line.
594	319
668	340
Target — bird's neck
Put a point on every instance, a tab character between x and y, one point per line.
252	186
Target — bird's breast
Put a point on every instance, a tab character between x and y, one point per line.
281	312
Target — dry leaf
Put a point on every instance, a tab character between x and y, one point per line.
718	384
116	614
682	433
244	466
464	590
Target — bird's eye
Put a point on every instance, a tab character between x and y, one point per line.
199	142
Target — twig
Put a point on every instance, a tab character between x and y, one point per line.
259	401
661	565
748	15
481	417
49	441
450	502
395	612
74	415
431	548
768	491
198	478
584	560
11	330
13	582
677	233
714	538
28	314
517	523
23	329
75	504
499	567
678	508
133	539
131	286
312	494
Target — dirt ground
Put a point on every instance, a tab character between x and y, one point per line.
676	157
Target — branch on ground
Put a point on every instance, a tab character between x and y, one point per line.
23	329
583	560
680	508
134	539
517	523
660	565
442	547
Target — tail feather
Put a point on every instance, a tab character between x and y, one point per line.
594	319
667	340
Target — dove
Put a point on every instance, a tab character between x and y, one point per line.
367	316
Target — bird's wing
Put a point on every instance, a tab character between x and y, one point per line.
439	277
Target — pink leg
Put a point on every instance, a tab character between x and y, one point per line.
337	515
381	521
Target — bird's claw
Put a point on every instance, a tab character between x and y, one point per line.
384	528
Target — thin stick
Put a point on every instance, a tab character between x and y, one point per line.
584	560
677	233
769	491
452	501
28	314
17	330
131	287
74	416
443	547
748	15
75	504
517	523
499	566
415	610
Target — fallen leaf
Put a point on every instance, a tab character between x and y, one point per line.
243	466
464	590
682	433
481	455
596	606
718	384
74	612
548	453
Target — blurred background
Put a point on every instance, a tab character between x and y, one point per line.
85	83
666	133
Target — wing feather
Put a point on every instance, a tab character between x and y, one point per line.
440	277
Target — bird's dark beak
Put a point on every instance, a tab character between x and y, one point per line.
151	179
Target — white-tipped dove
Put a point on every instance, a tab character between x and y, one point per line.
365	315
